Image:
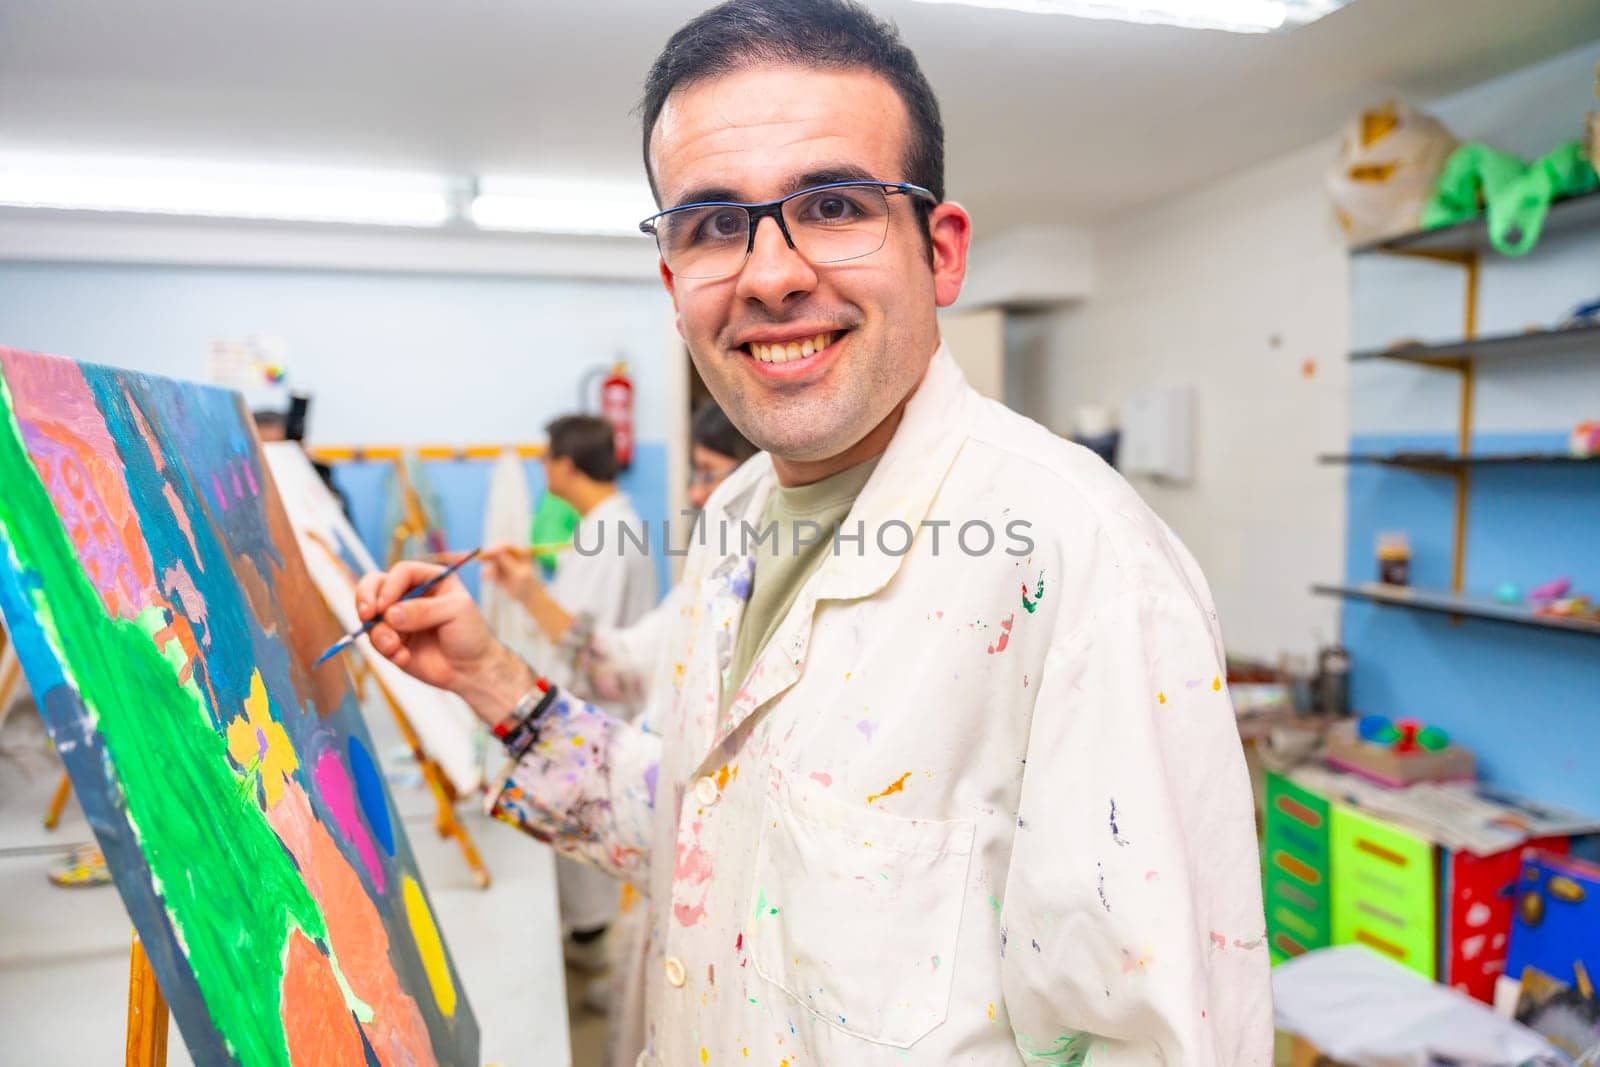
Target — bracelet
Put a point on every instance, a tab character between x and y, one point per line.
520	730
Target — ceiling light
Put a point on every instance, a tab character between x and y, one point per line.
170	187
1238	16
554	206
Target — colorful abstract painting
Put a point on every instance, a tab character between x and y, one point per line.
153	589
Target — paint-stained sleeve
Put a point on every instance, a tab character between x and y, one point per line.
617	663
587	787
1131	915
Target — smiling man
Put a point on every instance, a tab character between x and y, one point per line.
953	778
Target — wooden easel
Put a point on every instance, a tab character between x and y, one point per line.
147	1012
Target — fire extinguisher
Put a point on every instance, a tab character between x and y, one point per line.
616	407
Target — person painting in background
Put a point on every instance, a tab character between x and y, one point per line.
975	800
604	579
602	667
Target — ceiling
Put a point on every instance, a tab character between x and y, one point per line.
1049	119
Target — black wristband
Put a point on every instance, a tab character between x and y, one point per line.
525	734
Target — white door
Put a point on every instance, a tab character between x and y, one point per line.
977	339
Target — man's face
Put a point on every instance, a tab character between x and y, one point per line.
759	134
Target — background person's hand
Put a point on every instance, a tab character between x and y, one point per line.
512	569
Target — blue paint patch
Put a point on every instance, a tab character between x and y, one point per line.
369	787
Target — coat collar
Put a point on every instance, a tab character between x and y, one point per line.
901	490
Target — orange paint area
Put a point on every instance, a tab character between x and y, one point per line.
320	1030
356	934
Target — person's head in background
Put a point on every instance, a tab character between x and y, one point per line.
271	425
716	450
754	100
580	462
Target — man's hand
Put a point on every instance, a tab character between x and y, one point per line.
441	638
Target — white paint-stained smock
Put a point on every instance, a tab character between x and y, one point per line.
969	807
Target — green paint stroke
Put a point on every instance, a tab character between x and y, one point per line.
229	887
761	904
1070	1050
1038	594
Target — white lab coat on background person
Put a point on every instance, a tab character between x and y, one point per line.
967	807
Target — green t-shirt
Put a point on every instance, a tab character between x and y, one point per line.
781	570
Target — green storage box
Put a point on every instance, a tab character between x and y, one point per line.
1296	866
1385	895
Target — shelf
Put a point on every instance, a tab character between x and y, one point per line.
1501	346
1443	603
1573	213
1447	462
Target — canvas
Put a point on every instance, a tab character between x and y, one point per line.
335	556
151	583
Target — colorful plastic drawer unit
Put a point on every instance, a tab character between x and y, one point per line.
1295	858
1384	896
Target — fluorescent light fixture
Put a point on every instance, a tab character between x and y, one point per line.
1238	16
545	205
172	187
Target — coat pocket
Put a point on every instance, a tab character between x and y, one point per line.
855	913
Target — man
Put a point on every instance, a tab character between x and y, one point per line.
979	798
606	579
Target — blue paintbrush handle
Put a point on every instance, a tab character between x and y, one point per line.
351	638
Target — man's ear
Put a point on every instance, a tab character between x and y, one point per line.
950	229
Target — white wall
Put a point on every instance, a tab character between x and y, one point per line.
1230	289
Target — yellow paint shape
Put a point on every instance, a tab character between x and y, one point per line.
429	947
991	1011
1216	684
1161	697
705	1057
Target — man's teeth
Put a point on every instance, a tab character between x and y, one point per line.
783	353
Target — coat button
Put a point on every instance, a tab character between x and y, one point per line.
706	791
676	975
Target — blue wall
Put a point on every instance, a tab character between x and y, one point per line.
1526	701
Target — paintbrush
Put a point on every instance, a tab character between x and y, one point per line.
519	551
350	638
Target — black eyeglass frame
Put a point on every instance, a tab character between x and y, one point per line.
773	209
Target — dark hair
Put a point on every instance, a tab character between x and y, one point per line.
832	34
588	441
711	428
266	417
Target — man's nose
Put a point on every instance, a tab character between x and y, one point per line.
774	272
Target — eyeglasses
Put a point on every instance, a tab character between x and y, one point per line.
826	224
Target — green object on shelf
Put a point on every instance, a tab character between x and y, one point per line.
1516	195
554	520
1432	739
1386	734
